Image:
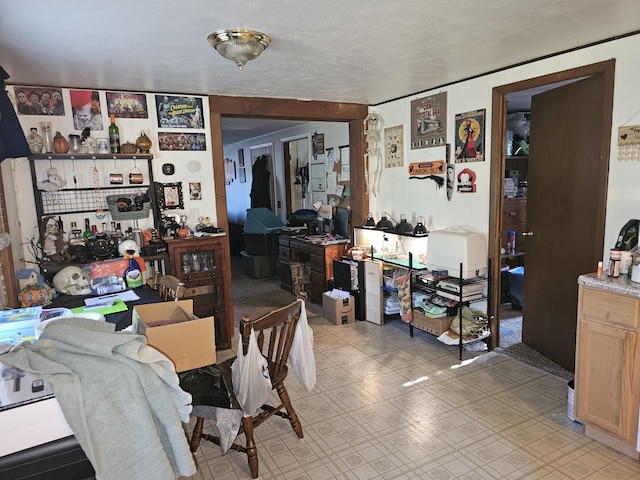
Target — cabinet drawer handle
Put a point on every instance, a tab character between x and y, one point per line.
512	214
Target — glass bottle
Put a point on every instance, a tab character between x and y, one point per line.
114	135
47	137
143	143
35	141
87	234
635	267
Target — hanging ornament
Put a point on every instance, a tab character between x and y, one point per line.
100	213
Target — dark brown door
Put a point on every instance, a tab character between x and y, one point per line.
565	205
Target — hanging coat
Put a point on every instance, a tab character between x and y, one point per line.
260	186
13	143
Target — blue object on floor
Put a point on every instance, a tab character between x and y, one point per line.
516	284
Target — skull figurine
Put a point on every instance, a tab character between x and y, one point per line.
71	281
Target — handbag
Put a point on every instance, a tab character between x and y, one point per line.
301	357
250	376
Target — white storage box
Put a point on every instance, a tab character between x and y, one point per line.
448	248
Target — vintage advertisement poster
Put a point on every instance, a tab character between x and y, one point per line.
127	105
179	112
39	101
429	121
470	136
182	141
394	146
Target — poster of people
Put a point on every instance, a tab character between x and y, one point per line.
179	112
127	105
39	101
85	106
429	121
470	136
182	141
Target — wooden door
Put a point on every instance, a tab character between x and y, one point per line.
565	212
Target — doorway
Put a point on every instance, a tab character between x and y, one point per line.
557	340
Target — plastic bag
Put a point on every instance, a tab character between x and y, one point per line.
301	357
250	376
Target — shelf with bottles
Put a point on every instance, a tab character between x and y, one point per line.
392	248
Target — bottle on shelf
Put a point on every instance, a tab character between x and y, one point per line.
114	136
87	234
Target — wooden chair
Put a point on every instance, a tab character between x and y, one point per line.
169	288
275	332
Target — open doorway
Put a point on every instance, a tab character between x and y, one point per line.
552	279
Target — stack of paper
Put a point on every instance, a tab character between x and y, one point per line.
509	188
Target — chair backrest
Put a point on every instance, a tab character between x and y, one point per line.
275	332
169	288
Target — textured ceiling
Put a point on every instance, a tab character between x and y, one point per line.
333	50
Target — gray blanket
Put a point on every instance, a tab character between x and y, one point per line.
120	397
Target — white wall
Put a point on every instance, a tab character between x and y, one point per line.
420	197
21	207
336	134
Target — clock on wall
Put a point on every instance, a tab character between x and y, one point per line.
394	146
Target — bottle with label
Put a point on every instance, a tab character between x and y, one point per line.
87	234
114	136
133	274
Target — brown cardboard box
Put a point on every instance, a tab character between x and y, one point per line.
435	326
189	342
338	310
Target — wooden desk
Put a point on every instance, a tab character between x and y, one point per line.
319	257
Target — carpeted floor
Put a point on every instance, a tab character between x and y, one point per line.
511	344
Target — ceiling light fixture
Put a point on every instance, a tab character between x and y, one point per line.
239	45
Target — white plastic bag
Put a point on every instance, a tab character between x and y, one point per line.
250	376
301	357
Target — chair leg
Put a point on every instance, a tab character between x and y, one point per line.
252	451
196	435
293	416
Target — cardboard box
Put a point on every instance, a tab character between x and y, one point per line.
189	341
435	326
338	310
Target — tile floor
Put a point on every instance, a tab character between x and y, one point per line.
387	406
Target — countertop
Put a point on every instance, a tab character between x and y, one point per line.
620	286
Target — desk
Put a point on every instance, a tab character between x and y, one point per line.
319	256
121	319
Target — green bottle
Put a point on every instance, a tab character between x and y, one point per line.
114	136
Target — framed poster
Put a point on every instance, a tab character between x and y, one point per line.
429	121
39	101
470	136
241	158
394	146
194	142
195	191
169	195
86	109
179	112
127	105
242	175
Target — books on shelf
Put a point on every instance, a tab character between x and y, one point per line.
466	297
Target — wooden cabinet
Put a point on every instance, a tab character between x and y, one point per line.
201	263
607	381
514	217
319	257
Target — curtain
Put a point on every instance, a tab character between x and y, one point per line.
13	143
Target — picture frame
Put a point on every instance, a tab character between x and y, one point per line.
39	101
241	158
127	105
169	195
179	111
242	175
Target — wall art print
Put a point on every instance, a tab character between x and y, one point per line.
39	101
394	146
127	105
194	142
229	171
429	121
86	109
169	195
179	112
195	191
470	136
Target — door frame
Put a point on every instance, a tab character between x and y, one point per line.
498	148
283	109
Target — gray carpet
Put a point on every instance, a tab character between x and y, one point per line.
511	344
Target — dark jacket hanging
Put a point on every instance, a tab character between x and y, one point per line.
260	191
13	143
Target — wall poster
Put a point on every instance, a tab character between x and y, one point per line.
39	101
179	112
127	105
470	136
429	121
394	146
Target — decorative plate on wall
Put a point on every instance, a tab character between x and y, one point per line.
193	166
168	168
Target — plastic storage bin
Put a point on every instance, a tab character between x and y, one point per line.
262	220
516	284
261	243
259	266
